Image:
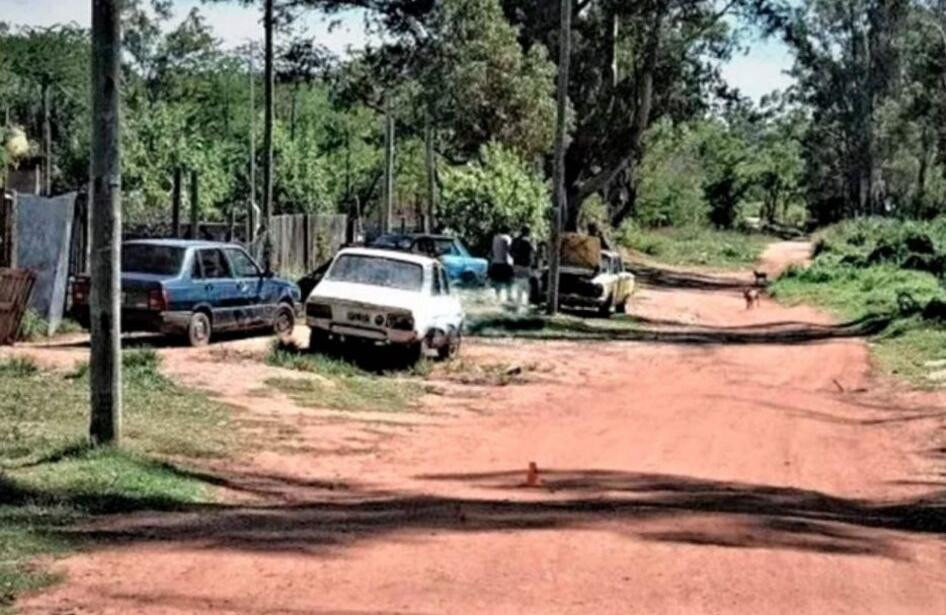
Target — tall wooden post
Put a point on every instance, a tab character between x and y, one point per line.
387	217
47	144
105	365
251	222
431	163
555	242
268	140
176	203
195	206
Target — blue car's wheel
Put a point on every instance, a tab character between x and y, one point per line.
199	330
468	278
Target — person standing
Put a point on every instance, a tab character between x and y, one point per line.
501	263
523	260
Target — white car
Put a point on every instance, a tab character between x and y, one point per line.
386	298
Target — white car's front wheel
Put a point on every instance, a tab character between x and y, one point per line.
452	347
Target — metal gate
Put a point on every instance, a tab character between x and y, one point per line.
15	288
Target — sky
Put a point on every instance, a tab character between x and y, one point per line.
755	74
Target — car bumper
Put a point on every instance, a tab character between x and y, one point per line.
363	333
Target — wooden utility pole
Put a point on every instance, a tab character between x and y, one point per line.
105	364
195	205
268	140
47	144
176	203
387	220
431	162
251	222
560	202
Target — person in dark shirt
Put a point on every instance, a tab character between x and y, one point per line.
523	260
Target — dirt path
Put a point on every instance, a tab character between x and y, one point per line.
684	475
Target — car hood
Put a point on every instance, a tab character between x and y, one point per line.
366	294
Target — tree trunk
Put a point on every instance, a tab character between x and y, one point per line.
292	112
47	144
431	163
645	101
387	216
560	201
176	202
268	141
195	205
105	365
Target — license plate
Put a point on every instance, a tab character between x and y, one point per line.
359	317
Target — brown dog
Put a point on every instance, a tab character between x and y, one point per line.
752	296
761	277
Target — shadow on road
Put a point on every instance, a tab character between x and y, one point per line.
637	329
323	516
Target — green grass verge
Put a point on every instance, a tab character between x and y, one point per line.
342	385
697	246
50	479
865	268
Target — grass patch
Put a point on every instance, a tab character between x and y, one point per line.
342	385
883	268
50	479
697	246
34	327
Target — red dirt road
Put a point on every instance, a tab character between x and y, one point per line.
737	463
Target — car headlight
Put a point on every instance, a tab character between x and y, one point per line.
598	288
401	322
319	310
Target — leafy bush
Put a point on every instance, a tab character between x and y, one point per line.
497	189
694	245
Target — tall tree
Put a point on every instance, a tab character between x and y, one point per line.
105	363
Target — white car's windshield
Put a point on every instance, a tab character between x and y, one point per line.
377	271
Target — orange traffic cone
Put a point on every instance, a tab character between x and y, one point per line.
532	475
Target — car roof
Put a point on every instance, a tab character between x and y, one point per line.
416	236
181	243
396	255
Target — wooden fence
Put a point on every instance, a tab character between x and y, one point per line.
15	287
303	242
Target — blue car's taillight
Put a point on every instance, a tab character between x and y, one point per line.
158	300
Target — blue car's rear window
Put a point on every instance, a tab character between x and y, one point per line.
151	259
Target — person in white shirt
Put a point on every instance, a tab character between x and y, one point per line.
501	264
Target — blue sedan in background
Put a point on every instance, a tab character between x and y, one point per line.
459	264
196	289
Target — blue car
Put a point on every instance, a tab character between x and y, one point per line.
195	289
457	261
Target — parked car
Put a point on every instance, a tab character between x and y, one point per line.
606	288
388	298
196	289
460	265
